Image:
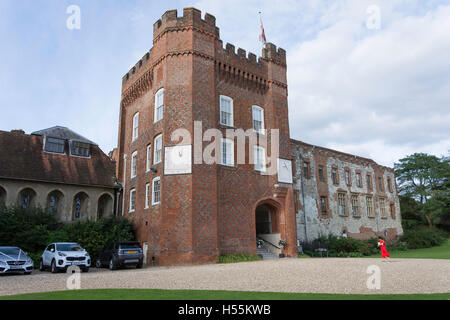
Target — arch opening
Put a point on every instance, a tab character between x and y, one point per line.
80	206
2	196
26	198
105	206
55	203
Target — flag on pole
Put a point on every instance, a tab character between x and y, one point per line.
262	36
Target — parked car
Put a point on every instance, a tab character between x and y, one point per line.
15	260
121	254
59	256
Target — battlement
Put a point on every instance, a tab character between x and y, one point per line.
271	53
139	68
191	18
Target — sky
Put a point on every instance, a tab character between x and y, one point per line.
371	78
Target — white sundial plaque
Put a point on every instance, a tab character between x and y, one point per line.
284	171
178	160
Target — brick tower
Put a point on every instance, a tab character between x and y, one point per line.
196	214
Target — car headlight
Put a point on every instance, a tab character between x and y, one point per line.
61	254
2	263
29	261
86	255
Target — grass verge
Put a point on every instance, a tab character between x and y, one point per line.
157	294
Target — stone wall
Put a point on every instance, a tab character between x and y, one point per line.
309	190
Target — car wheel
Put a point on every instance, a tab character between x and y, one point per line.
53	267
98	263
41	265
85	269
112	265
27	273
139	265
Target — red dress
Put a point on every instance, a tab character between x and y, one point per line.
384	252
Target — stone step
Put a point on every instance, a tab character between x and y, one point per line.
265	254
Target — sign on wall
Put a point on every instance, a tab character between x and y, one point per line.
178	160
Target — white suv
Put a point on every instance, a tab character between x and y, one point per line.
58	256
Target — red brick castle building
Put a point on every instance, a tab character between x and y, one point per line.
194	210
195	214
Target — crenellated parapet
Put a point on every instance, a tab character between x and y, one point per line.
237	66
191	19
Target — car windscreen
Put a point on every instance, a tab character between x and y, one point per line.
130	245
11	251
68	247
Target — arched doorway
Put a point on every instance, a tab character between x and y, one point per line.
80	206
105	206
54	203
267	226
27	198
2	196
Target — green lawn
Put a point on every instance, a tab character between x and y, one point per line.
156	294
439	252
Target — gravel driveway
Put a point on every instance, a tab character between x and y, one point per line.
327	275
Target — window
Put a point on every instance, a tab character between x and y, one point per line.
382	204
358	180
341	204
321	175
79	149
147	195
334	175
159	105
54	145
157	156
389	181
260	158
148	162
323	205
392	209
156	193
227	151
132	200
226	111
347	177
133	164
380	183
306	170
135	126
258	119
369	182
355	205
369	206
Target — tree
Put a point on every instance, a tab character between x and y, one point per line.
425	178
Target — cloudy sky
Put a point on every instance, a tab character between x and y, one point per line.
370	78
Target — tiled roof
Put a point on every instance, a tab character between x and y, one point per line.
22	157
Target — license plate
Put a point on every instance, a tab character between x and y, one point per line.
131	251
15	267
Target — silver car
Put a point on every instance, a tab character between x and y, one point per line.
14	260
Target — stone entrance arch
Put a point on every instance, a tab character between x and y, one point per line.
267	225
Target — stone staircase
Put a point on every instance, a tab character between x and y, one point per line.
265	254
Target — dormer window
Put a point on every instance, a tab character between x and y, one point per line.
79	149
54	145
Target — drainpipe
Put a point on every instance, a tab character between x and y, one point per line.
303	196
124	182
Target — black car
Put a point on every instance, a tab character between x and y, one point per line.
121	254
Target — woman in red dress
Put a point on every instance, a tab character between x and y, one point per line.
384	253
